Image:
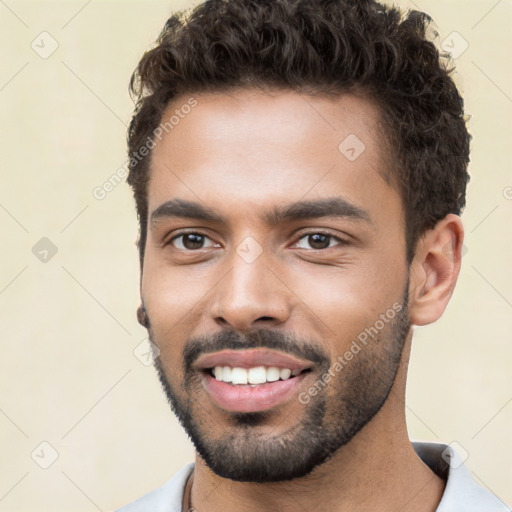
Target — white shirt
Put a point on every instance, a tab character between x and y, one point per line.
462	493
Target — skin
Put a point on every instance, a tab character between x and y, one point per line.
240	155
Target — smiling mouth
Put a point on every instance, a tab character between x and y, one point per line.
254	376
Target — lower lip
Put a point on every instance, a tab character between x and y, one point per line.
244	398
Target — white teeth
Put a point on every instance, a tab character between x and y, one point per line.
272	374
239	376
226	373
255	375
284	373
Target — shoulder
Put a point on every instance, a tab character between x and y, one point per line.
167	498
462	493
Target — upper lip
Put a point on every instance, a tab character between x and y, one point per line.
250	358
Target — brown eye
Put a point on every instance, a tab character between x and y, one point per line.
191	241
319	241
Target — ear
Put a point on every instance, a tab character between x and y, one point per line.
435	269
142	316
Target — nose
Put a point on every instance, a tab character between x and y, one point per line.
249	296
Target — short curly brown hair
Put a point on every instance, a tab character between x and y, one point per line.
317	46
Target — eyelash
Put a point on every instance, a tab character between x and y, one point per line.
340	241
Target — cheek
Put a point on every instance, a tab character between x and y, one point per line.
339	304
163	279
174	298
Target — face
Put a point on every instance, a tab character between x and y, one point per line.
275	277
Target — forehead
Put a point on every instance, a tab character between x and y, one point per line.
262	148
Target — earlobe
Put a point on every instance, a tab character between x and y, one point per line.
142	316
435	269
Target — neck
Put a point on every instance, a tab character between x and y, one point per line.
378	470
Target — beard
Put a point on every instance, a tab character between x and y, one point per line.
248	452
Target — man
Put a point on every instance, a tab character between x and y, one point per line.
299	168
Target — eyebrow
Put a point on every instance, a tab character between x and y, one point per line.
301	210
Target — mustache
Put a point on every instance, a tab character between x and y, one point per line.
260	338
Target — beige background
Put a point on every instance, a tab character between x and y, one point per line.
69	374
